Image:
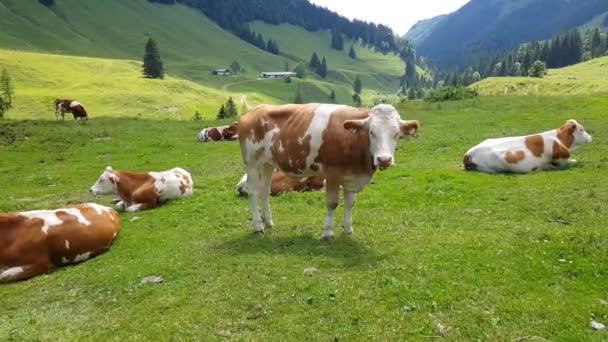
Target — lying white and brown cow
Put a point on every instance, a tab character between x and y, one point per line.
36	242
544	151
70	106
342	144
218	133
281	183
143	190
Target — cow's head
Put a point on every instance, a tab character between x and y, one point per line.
106	183
384	127
57	102
202	136
574	135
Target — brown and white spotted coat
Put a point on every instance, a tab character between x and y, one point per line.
140	191
342	144
70	106
36	242
524	154
281	183
218	133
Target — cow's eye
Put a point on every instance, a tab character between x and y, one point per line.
372	134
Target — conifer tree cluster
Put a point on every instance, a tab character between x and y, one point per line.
319	67
228	110
7	91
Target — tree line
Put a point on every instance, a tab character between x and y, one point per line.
531	59
234	14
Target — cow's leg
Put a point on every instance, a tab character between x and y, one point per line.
25	272
349	204
253	184
332	198
266	177
139	206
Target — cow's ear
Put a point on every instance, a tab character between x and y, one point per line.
409	128
109	169
354	125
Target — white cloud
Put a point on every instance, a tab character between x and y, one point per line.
399	15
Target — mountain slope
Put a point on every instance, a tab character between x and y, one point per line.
483	27
422	29
584	78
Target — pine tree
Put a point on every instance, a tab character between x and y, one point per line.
322	70
332	96
314	61
337	41
411	94
153	65
222	113
47	3
300	70
352	53
596	44
231	110
357	86
7	90
235	67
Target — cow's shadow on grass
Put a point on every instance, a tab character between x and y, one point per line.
346	249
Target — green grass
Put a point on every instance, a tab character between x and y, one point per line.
580	79
433	244
107	87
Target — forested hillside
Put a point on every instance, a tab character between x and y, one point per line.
482	28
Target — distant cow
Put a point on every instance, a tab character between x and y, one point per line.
35	242
218	133
342	144
70	106
544	151
140	191
281	182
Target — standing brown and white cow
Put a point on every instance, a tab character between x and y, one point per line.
344	145
35	242
70	106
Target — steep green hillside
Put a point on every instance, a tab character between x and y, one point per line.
190	44
422	29
377	71
583	78
107	87
483	28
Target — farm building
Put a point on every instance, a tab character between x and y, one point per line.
221	72
281	74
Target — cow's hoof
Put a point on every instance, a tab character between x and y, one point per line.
259	233
328	238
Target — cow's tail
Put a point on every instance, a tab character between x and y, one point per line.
468	163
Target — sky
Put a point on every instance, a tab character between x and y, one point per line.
399	15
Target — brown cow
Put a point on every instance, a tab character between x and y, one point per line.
35	242
143	190
281	183
342	144
70	106
218	133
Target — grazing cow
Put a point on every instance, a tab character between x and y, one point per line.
70	106
342	144
218	133
281	182
543	151
35	242
141	191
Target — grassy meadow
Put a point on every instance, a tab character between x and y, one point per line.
438	252
579	79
